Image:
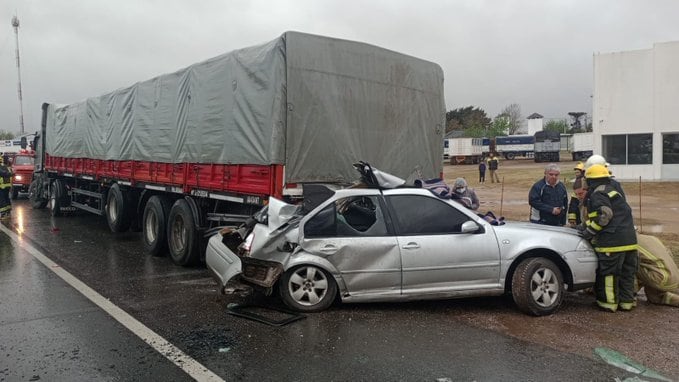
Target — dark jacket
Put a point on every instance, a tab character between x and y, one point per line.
610	220
543	198
574	210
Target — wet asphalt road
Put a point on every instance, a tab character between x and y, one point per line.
49	331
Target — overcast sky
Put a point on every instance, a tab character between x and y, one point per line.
537	54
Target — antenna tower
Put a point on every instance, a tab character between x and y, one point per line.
15	24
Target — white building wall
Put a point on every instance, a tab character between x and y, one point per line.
637	92
534	125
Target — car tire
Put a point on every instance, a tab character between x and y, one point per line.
537	286
57	196
154	225
307	288
181	234
117	210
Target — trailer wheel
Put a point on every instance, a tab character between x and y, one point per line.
181	234
35	194
154	225
57	195
510	156
117	210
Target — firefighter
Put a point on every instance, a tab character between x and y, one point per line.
610	228
658	273
579	170
5	185
576	203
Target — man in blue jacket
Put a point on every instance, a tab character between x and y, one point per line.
548	198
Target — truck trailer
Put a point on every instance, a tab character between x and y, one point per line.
465	150
513	146
547	146
583	146
182	154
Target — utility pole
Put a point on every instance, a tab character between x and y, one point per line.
15	24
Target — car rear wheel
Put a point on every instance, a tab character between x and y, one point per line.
308	288
537	286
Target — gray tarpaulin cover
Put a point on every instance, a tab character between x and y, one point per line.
313	103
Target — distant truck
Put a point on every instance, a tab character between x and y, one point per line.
547	146
465	150
582	146
513	146
182	154
22	166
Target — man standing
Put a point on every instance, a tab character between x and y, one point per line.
610	228
5	185
493	164
548	198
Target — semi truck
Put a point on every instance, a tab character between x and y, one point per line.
465	150
582	146
182	154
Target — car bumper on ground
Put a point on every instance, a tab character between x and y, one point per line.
221	261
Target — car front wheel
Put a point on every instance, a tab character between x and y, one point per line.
308	288
537	286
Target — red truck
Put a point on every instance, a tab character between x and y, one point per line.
22	166
182	154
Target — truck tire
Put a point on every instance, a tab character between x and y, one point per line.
35	194
510	156
14	194
181	234
117	210
537	286
57	197
154	225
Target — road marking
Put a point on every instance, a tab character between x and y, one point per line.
160	344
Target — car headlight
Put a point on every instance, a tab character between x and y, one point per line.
583	246
18	177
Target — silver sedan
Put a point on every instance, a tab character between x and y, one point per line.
365	245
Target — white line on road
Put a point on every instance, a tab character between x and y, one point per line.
160	344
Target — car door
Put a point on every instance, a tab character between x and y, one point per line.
351	233
436	257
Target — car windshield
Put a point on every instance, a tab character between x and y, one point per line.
22	160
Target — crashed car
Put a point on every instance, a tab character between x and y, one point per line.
400	243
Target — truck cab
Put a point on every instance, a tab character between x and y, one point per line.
22	165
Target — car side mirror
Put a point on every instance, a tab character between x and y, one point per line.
469	227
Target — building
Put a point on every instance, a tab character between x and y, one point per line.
635	123
534	123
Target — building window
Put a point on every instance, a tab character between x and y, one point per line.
628	148
670	148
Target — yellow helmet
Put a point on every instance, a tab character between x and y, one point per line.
597	171
580	166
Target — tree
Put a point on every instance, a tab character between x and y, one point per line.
466	118
5	135
558	125
513	115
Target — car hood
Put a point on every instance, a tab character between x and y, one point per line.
517	237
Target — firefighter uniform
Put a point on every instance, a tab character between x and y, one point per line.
5	186
610	227
658	273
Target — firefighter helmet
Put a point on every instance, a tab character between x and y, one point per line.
580	166
597	171
595	159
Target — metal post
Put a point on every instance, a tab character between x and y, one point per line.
15	24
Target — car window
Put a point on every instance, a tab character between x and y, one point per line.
352	216
421	215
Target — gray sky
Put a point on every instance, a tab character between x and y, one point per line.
537	53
